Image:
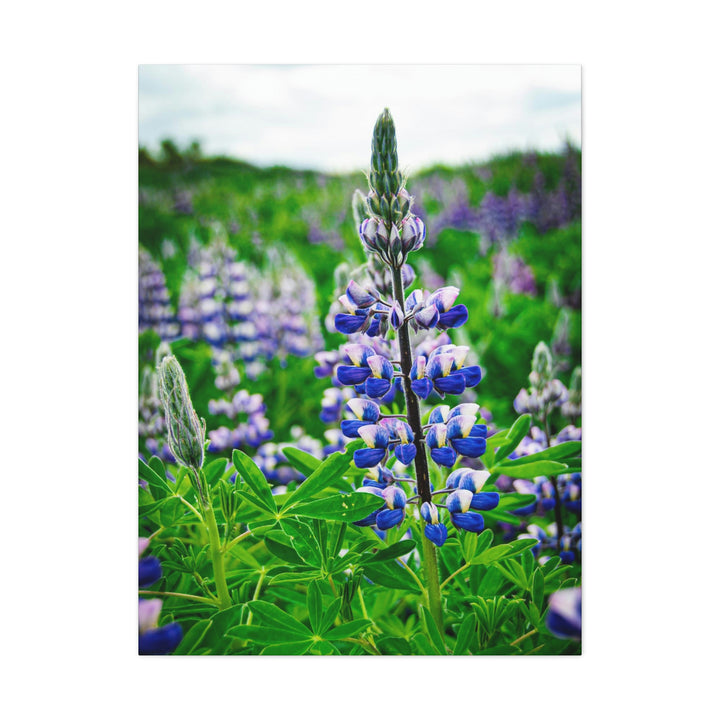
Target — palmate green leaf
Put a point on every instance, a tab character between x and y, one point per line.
256	502
502	516
346	508
514	435
528	471
256	481
155	481
514	572
349	629
272	616
330	470
563	451
493	554
300	460
464	635
329	615
393	646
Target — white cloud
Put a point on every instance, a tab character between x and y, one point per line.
321	116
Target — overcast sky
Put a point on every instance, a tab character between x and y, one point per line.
321	116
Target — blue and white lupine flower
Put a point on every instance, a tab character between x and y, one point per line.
458	503
381	379
437	310
377	439
379	477
154	640
564	617
394	512
149	568
359	371
440	451
366	412
473	480
403	438
435	531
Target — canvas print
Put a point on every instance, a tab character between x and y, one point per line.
359	373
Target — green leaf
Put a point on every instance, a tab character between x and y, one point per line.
273	616
291	578
502	516
158	466
491	555
514	572
323	476
393	646
214	470
557	452
314	605
289	648
300	460
275	542
513	501
255	480
432	630
146	473
528	471
193	637
349	629
391	552
329	615
485	540
263	635
392	575
464	635
469	545
538	588
259	504
347	508
515	434
303	540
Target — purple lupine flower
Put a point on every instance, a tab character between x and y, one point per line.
564	618
435	531
154	640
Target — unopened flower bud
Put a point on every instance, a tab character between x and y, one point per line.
542	363
413	234
186	432
368	234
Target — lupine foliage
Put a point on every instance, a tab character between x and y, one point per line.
388	495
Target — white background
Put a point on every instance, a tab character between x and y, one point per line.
650	365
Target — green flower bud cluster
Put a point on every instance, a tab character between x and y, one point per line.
391	231
186	432
542	366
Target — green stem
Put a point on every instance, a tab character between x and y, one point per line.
197	598
216	553
236	540
451	577
422	474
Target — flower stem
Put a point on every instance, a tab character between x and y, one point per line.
554	481
422	475
216	553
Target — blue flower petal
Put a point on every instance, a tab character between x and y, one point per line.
422	388
485	501
348	324
468	521
389	518
436	534
470	446
453	383
368	457
369	520
351	375
350	427
377	387
405	453
455	317
160	641
150	571
473	375
444	456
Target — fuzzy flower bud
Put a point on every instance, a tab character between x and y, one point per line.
542	365
186	432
